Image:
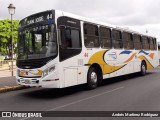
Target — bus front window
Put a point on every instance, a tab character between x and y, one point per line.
37	42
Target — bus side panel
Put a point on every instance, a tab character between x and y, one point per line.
82	74
137	62
70	76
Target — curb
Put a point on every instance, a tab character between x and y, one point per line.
12	88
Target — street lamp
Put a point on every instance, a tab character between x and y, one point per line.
11	9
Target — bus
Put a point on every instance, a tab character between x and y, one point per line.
57	49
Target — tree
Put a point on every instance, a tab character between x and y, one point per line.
5	36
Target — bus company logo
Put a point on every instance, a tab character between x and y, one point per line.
113	55
26	72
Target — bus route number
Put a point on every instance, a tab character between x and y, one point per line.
49	16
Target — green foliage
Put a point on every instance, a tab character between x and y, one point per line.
5	35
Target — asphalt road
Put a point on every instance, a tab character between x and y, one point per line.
126	93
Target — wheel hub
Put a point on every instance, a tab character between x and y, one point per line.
94	77
143	68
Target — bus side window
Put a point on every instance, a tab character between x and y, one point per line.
151	41
117	39
91	35
125	37
70	38
127	40
155	44
137	42
145	43
105	36
65	35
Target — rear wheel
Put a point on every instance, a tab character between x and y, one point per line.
143	69
92	78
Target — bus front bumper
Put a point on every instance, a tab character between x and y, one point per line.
38	82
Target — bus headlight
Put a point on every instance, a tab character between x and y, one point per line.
48	71
45	72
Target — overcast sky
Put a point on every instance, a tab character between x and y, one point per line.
138	15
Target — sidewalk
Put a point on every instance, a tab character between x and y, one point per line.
6	67
8	82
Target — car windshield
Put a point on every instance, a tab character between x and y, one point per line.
37	42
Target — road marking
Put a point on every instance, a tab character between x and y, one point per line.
78	101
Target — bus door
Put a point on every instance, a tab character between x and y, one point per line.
69	49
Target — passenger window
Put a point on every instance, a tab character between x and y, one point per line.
155	44
137	42
145	43
151	41
70	38
91	35
105	35
127	40
117	39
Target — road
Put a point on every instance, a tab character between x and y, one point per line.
126	93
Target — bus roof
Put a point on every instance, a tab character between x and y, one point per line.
93	21
89	20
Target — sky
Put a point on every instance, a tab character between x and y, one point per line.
137	15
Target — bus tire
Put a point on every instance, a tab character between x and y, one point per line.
92	78
143	69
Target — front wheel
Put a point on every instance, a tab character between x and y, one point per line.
92	78
143	69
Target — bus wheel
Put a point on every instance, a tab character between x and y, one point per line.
143	69
92	78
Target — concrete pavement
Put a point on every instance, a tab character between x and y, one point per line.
6	73
8	82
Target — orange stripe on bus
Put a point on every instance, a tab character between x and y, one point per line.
130	58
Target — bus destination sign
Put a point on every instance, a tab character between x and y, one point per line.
42	17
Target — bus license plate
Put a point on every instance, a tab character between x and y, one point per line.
27	81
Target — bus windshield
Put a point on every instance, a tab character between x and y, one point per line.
37	42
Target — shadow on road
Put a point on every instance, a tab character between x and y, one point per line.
124	78
45	93
52	93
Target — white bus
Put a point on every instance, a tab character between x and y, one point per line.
58	49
